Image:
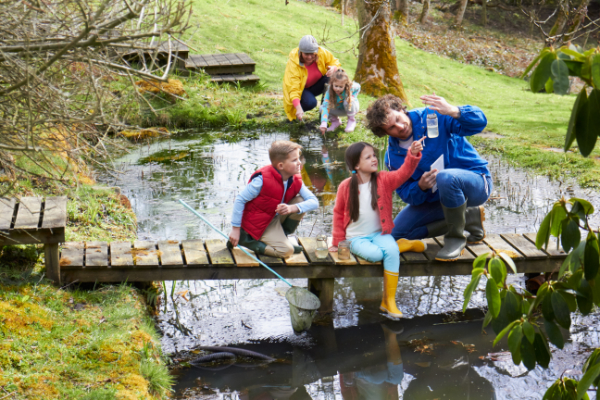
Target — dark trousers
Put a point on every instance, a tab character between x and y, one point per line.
308	101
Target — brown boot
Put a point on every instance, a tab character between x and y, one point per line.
388	303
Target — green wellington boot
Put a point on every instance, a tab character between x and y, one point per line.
249	242
455	240
437	228
474	218
289	226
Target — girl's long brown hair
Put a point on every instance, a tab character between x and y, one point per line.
352	159
339	75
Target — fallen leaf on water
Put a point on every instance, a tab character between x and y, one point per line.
424	364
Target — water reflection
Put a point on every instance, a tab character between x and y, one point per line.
208	170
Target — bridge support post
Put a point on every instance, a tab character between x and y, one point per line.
52	262
323	288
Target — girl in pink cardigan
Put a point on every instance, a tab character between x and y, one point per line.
363	213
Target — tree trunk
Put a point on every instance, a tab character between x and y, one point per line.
484	12
377	69
424	12
402	13
561	19
576	19
461	12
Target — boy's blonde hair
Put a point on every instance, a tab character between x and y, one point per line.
281	149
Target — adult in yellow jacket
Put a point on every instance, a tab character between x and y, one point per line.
307	72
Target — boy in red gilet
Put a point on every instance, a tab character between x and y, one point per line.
272	205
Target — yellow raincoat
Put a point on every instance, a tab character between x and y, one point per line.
295	76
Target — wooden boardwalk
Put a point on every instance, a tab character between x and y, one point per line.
144	261
35	220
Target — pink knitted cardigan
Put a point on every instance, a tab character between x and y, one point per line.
387	183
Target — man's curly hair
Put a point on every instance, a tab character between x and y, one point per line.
377	113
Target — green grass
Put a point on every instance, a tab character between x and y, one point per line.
267	31
97	343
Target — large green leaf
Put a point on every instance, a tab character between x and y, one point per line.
529	331
571	52
579	105
588	208
562	315
593	359
487	319
586	381
560	77
585	298
570	235
587	122
498	270
509	261
577	258
513	306
569	296
475	277
549	86
596	71
547	310
493	297
554	334
591	261
503	332
480	261
542	73
514	343
542	353
540	296
574	67
559	214
543	235
544	51
527	353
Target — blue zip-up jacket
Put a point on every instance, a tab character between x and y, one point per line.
457	151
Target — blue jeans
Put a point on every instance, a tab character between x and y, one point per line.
376	247
308	100
456	186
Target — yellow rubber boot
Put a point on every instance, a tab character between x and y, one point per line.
388	303
405	245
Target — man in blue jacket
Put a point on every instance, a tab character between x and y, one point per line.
463	185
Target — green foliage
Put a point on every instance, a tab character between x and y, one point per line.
564	389
552	74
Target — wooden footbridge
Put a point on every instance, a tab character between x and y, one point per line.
43	221
210	259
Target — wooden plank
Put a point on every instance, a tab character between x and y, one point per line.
55	212
170	252
411	257
310	245
52	262
28	236
233	59
121	254
71	255
195	253
296	259
432	248
7	208
479	249
144	253
362	261
96	254
271	260
334	255
552	249
242	259
28	216
523	245
245	58
235	78
218	252
499	245
195	61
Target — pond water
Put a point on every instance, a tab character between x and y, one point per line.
435	353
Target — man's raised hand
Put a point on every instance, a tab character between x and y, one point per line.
440	105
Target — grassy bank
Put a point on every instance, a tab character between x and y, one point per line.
529	123
89	342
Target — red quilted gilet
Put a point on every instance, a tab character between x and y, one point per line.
259	212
